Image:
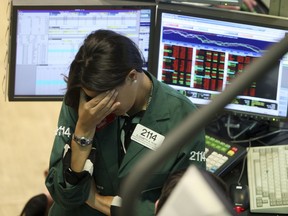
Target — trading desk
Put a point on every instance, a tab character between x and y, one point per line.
233	176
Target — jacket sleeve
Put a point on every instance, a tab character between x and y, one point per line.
192	153
68	196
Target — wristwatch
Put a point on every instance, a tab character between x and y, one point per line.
82	141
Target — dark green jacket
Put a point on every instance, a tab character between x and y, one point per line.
167	109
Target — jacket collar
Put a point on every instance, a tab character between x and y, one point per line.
150	118
157	102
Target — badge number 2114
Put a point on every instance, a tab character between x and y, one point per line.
147	137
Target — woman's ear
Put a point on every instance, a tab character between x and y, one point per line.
132	76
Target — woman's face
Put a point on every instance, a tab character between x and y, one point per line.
126	95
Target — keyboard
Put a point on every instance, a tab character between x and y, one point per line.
267	170
222	155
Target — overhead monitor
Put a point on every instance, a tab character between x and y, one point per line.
201	50
45	39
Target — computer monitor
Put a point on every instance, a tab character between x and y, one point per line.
45	39
201	50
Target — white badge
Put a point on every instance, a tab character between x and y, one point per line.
147	137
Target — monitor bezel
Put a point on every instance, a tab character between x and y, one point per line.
223	15
12	96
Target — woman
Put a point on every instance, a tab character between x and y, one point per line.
96	145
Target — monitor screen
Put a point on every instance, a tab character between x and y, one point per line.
45	39
201	50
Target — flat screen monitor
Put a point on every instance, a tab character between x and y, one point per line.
201	50
45	39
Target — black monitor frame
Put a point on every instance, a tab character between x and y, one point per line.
221	15
63	5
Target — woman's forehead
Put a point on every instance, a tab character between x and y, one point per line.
90	93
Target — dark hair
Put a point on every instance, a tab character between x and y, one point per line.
168	187
36	206
102	63
175	177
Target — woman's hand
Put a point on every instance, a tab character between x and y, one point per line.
96	201
92	112
250	4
